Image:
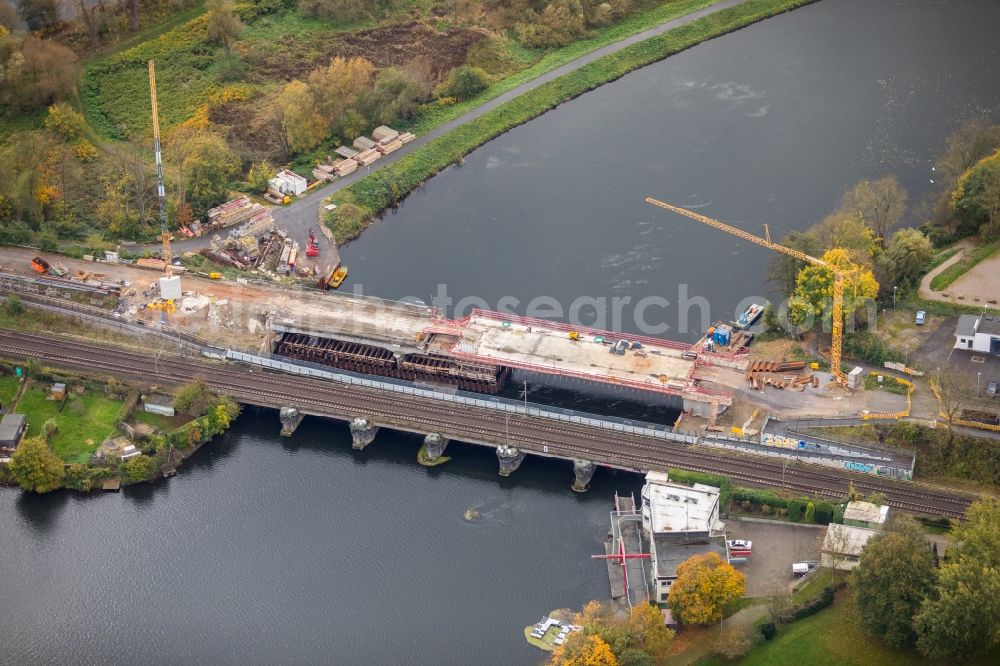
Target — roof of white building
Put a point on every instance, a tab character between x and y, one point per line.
846	540
675	507
866	512
966	326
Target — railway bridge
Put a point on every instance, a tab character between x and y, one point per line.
514	434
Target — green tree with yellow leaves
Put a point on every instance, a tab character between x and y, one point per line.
36	468
812	300
704	585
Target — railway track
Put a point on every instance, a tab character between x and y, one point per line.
532	434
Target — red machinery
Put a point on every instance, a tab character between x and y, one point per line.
312	246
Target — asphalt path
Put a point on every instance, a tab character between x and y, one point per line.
302	214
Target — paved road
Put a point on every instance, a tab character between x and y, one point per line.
925	290
477	425
301	215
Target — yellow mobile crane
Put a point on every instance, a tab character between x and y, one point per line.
160	190
837	318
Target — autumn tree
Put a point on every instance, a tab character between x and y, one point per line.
906	256
960	620
895	574
301	122
395	96
39	14
784	269
35	468
338	86
880	204
209	164
65	121
464	82
34	73
847	231
813	296
704	585
647	632
224	26
976	199
560	23
259	175
138	469
583	650
194	399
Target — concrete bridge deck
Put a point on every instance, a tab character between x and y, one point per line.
526	434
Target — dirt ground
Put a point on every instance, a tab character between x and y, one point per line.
981	285
776	547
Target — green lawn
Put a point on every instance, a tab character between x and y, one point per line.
815	584
833	636
158	421
8	388
95	422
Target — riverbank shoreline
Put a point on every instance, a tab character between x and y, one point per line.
127	446
391	184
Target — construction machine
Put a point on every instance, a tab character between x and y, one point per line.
839	276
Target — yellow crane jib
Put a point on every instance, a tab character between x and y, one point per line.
837	316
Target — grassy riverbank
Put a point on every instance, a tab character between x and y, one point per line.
389	185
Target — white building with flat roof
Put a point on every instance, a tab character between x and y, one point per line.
681	522
978	333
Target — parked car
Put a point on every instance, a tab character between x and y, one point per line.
740	544
921	317
992	388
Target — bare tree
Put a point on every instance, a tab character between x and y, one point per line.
952	389
879	203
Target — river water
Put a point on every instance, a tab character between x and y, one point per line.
770	124
266	550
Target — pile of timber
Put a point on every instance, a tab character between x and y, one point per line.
344	167
324	172
407	137
366	157
389	146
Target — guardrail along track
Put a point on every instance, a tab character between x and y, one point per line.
537	435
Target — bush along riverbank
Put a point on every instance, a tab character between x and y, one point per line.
358	204
88	435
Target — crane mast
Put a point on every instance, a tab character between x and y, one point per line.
160	189
837	315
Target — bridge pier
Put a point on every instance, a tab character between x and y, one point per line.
433	448
583	471
363	433
290	420
510	459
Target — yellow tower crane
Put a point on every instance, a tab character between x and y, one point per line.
160	190
839	277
